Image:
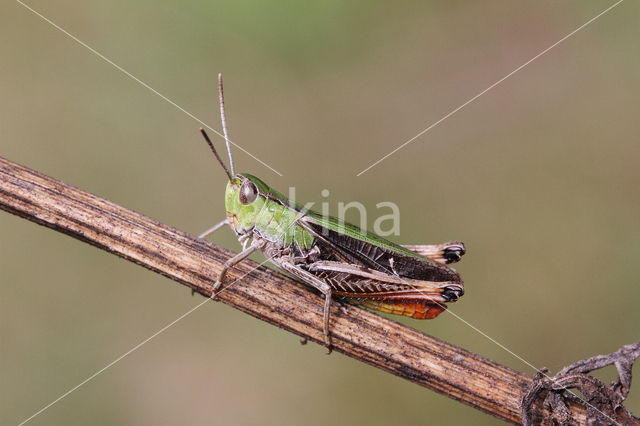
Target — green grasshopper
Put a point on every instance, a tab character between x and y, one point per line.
336	258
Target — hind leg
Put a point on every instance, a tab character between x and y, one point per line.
445	253
320	285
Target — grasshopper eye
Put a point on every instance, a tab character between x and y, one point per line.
248	193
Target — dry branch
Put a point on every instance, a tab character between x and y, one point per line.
265	294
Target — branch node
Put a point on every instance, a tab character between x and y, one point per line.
603	404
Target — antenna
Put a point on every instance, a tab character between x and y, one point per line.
223	117
206	137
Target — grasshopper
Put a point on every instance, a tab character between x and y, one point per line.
336	258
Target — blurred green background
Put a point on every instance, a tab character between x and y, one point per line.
539	177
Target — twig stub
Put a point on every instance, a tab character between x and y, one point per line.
265	294
604	403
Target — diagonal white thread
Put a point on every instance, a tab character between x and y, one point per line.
491	339
275	171
136	79
523	360
490	87
139	345
515	355
112	362
133	349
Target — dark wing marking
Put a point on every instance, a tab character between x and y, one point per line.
334	244
345	242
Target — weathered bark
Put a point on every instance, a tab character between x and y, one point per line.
265	294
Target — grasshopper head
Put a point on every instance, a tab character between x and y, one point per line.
244	198
246	195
